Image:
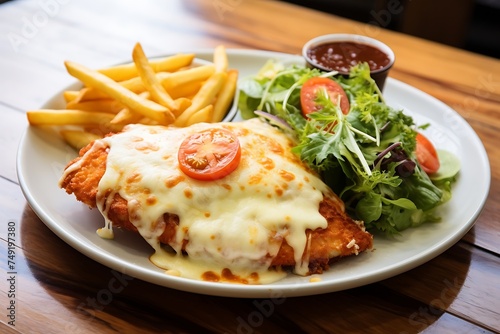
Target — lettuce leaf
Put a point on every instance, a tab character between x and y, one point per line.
367	157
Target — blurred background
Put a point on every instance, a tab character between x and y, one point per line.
472	25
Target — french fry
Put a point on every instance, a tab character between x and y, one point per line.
89	94
220	59
68	117
147	121
204	97
110	87
134	84
173	79
150	81
70	95
168	64
104	105
78	139
126	116
162	91
202	115
179	78
225	96
186	91
183	103
168	80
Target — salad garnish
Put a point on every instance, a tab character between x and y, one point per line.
369	154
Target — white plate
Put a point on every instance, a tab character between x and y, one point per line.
42	156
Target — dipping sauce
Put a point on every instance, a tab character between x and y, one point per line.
341	56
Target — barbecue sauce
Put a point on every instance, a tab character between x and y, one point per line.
341	56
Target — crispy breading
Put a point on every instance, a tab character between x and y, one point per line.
342	237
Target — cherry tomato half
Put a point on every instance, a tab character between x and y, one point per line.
426	154
310	90
209	155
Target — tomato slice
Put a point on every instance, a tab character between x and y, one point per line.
427	155
310	90
209	155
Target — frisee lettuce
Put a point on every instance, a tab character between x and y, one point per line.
367	156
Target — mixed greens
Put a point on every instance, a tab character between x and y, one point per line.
367	156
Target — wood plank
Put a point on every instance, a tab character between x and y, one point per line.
6	329
12	127
487	230
455	282
447	323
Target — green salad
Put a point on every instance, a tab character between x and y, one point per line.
370	154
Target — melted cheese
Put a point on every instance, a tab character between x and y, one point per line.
237	222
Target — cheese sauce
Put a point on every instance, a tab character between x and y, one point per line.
229	228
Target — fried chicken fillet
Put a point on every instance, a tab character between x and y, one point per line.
340	237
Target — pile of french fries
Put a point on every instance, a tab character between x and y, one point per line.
162	91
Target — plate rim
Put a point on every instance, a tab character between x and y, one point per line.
258	291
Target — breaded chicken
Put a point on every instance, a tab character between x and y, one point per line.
341	236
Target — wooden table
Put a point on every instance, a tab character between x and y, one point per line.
59	290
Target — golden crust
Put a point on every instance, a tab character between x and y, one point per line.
342	237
